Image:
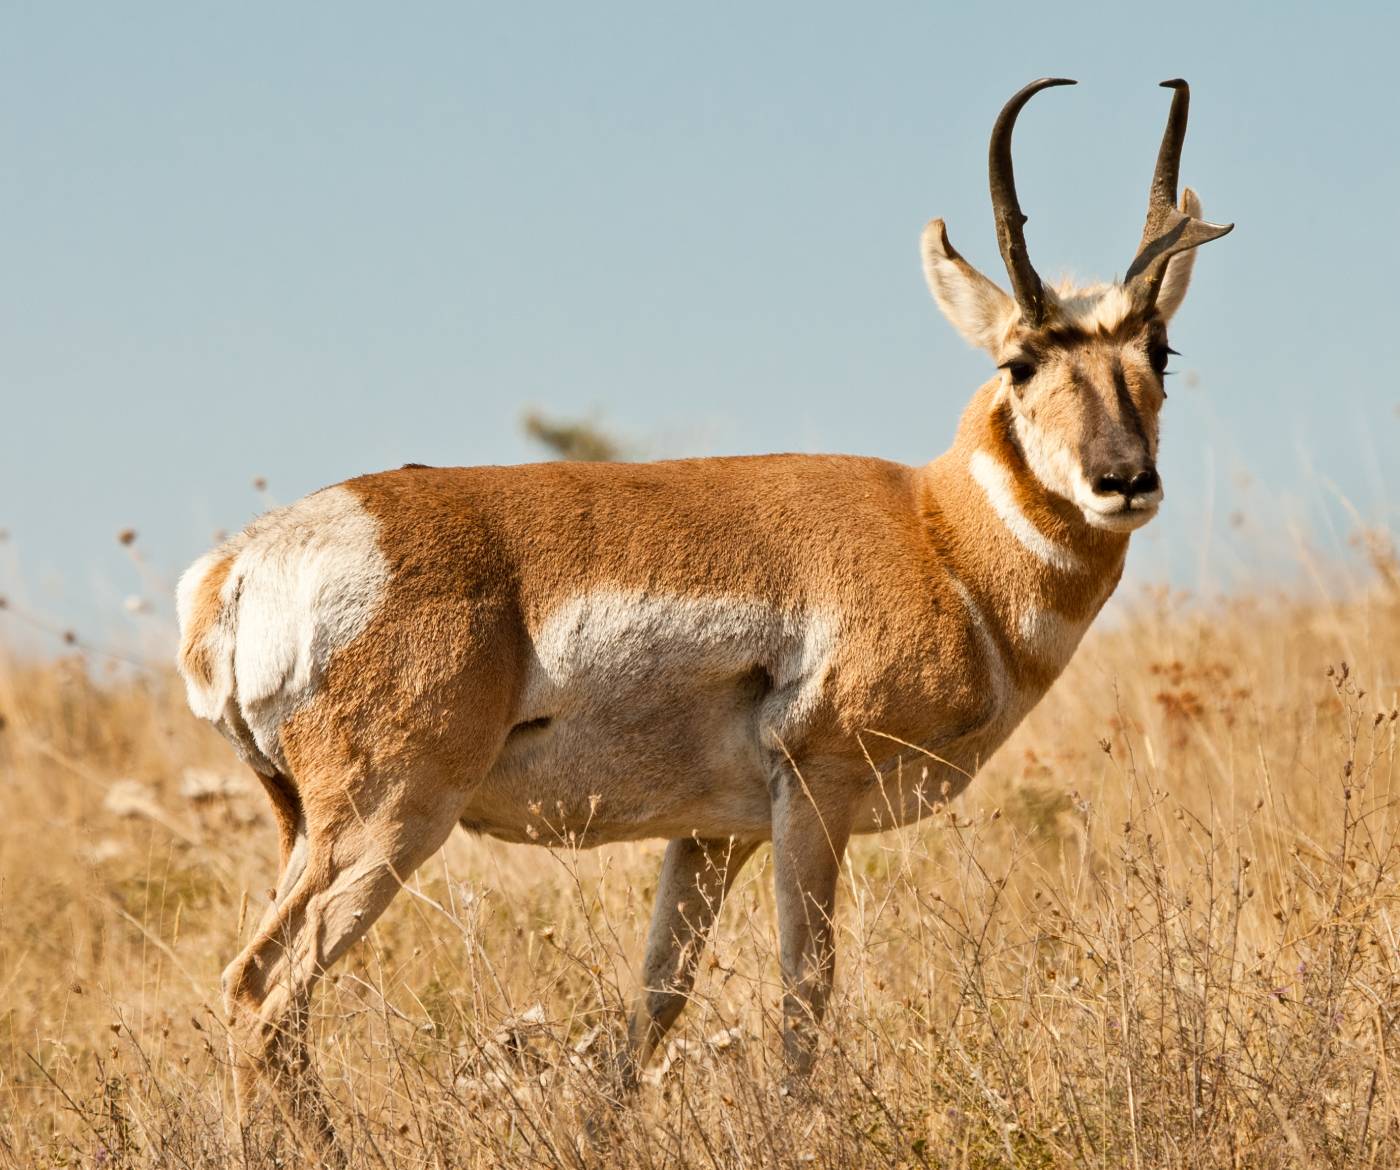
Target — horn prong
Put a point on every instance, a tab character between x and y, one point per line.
1168	229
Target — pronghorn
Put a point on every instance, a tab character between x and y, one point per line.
720	652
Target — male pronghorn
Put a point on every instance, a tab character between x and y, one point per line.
717	651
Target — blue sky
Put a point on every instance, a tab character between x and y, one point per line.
308	241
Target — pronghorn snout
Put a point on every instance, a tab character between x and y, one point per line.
1127	481
1123	494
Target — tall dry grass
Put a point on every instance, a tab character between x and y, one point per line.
1160	930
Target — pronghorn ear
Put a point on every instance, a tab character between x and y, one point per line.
978	309
1178	274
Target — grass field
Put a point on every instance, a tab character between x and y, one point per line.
1160	930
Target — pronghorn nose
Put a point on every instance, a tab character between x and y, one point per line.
1127	482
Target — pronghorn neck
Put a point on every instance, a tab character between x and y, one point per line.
1024	555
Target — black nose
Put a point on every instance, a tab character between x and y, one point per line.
1127	482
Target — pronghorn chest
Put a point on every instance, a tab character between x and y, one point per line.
990	670
1042	642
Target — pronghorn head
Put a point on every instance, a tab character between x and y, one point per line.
1082	367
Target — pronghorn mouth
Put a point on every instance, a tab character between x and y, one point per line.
1122	515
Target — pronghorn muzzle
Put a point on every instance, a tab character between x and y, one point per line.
1127	481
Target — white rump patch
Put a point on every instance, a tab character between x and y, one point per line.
207	699
995	480
305	582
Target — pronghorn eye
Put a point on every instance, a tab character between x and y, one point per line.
1021	372
1158	355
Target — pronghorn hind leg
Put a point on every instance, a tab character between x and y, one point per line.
291	842
286	811
695	877
809	840
355	862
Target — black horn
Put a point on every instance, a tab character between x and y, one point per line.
1011	237
1168	230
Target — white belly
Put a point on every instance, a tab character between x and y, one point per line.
652	716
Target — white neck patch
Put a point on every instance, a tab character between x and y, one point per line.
995	480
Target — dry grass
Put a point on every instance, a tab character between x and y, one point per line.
1161	930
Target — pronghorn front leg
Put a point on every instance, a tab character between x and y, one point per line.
809	840
695	876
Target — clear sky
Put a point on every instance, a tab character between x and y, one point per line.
306	241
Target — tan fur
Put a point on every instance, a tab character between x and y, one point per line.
718	651
414	726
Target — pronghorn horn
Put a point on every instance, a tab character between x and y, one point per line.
1011	237
1169	230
